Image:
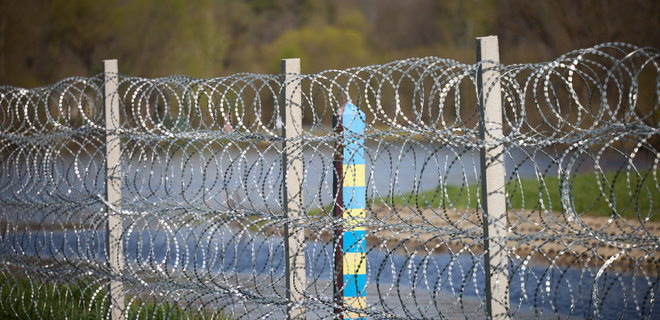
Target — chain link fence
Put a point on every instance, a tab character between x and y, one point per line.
126	197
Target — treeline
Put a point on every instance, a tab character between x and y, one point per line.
42	41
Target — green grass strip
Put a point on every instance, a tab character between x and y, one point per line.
588	193
27	298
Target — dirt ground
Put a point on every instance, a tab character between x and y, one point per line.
542	237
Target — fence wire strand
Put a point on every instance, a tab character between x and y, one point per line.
203	216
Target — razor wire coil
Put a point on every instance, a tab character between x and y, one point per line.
203	218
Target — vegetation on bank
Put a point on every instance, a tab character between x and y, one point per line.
44	41
28	298
589	194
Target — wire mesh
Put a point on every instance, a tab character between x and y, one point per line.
203	216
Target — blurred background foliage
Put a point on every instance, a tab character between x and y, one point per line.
43	41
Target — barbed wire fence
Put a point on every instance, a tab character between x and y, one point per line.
234	197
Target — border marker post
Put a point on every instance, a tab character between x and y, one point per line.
349	210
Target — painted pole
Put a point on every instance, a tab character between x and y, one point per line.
492	178
114	229
349	210
292	167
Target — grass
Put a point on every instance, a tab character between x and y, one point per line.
594	195
23	298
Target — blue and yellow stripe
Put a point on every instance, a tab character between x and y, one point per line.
353	214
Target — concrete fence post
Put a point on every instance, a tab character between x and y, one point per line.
114	228
292	167
492	178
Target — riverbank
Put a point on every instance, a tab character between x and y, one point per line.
541	237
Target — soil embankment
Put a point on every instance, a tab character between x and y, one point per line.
542	237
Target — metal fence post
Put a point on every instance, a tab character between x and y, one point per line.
114	229
292	167
492	178
349	210
338	212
